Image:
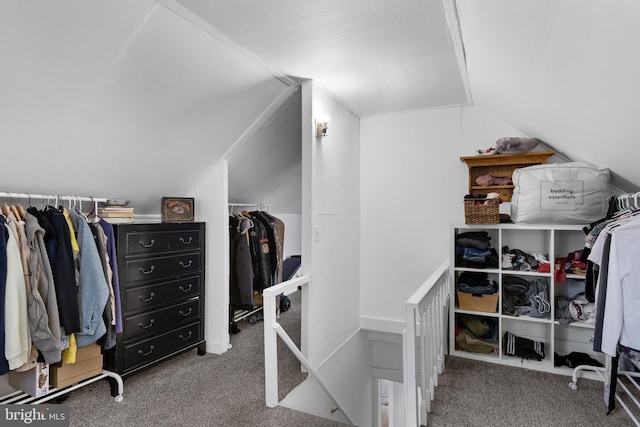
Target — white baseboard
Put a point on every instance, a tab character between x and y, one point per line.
216	348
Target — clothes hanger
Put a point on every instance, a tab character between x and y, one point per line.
5	209
620	205
91	216
94	208
22	214
22	211
635	201
15	211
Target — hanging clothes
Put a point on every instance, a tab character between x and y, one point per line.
4	363
47	335
620	317
60	252
269	227
613	247
93	291
18	342
108	340
241	272
278	225
112	258
56	286
17	229
260	255
256	241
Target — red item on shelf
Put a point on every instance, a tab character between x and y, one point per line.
545	267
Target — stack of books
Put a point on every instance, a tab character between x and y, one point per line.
116	214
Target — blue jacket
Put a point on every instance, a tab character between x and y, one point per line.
93	291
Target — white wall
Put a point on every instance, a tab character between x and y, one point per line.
211	207
331	252
335	216
408	198
413	183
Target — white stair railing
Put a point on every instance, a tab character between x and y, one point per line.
272	329
424	344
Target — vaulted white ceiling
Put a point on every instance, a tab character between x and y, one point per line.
139	98
377	56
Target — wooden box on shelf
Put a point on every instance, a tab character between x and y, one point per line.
500	165
88	364
487	303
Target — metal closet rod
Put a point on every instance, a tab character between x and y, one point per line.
260	206
249	204
6	195
56	197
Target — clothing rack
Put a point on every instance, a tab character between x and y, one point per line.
618	206
19	397
255	315
629	391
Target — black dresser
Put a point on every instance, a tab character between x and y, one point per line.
161	276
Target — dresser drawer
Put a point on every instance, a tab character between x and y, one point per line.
153	242
162	320
157	268
146	297
150	350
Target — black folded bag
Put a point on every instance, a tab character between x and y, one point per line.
522	347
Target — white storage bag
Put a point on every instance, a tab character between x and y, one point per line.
562	193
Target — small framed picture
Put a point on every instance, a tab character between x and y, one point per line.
177	209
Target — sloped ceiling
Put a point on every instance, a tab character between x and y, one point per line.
268	168
377	56
139	98
119	99
565	71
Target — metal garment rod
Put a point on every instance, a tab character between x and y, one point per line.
259	206
29	196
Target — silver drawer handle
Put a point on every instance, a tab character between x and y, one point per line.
183	265
188	242
182	313
141	326
148	271
185	290
188	336
151	243
151	295
142	353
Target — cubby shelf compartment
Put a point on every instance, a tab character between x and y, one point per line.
555	241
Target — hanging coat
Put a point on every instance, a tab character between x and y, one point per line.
260	256
93	291
4	363
241	274
47	336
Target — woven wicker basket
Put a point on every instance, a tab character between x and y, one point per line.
487	303
485	213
